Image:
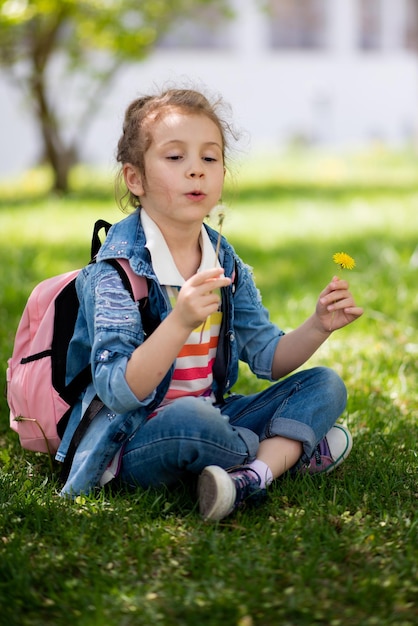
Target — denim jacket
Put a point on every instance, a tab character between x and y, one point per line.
109	328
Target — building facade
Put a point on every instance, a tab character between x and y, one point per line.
332	73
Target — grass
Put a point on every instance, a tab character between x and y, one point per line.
330	551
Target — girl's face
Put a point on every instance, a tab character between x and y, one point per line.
184	169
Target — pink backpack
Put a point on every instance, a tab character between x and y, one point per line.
39	399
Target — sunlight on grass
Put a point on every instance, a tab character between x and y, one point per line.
373	167
269	223
335	550
62	220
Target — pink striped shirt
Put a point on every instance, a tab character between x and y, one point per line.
193	367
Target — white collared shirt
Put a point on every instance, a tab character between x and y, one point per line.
162	259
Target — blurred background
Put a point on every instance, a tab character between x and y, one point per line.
332	74
327	94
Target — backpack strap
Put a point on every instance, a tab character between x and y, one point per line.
136	285
95	239
92	410
138	288
223	351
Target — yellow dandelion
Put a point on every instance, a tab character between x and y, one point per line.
345	261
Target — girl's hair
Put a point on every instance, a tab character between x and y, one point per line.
137	130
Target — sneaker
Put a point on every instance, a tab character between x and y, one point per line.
221	492
331	451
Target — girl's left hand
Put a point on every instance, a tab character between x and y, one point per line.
336	307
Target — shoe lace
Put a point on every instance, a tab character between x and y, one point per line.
248	485
318	455
322	452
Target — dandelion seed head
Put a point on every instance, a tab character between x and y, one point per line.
217	215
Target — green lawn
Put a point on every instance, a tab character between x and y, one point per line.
332	551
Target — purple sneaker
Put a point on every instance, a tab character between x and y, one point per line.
331	451
221	492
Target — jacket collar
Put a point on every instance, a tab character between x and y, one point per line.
126	240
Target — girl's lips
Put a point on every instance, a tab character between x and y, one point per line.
195	195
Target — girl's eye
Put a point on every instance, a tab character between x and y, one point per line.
174	157
209	159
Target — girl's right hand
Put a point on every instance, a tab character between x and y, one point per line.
198	298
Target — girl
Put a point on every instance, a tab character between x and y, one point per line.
168	413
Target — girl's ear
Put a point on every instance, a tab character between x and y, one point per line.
133	179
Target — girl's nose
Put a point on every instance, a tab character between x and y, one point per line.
195	170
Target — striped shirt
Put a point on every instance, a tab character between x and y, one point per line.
193	367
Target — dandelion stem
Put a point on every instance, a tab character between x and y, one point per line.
218	246
346	262
218	243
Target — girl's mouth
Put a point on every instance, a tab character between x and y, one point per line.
196	195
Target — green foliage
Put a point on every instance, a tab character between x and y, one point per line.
63	54
336	550
124	28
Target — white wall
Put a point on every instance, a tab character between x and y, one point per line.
338	97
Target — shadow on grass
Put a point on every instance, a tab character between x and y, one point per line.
239	192
318	191
25	199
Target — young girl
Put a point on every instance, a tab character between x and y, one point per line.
169	414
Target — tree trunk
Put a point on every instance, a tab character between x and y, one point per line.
60	157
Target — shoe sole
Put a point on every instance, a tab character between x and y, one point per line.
216	493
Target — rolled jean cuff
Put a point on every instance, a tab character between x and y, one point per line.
293	429
251	441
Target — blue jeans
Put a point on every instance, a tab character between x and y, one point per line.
191	433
